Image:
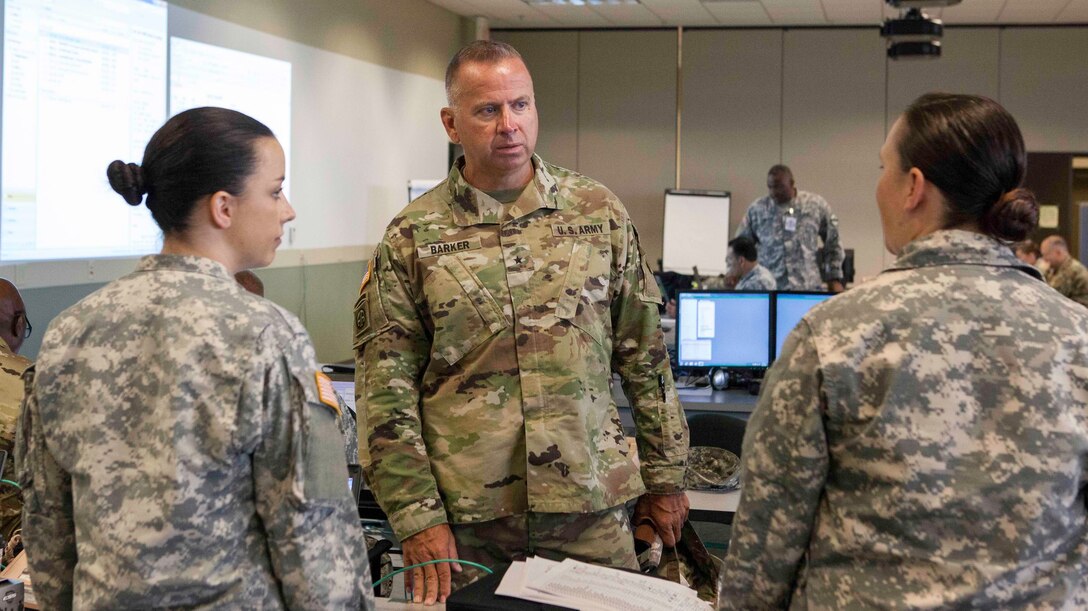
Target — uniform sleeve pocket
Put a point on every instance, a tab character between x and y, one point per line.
370	318
324	468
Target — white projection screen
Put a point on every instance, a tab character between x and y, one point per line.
84	84
696	231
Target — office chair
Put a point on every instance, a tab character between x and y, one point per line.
717	430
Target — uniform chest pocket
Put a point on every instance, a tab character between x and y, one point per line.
464	313
584	300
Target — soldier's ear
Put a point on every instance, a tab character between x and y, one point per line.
448	123
917	192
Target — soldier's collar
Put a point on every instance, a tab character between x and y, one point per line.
957	247
184	263
471	206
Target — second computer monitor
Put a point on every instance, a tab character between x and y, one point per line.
723	329
789	308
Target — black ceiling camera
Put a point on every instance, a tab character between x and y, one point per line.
914	35
719	379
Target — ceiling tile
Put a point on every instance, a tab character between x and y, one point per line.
739	13
460	7
574	16
973	12
1032	11
853	12
629	15
795	12
680	12
1075	12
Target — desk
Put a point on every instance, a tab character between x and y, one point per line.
713	506
385	604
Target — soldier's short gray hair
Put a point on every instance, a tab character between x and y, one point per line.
481	51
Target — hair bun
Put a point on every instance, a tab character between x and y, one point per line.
1013	217
128	180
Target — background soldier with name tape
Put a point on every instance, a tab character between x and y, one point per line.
487	329
790	228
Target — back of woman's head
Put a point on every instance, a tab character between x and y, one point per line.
971	149
196	153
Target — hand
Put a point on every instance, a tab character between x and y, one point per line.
433	580
667	512
835	286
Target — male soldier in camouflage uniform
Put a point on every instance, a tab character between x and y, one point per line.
486	332
753	276
1065	273
789	226
14	327
211	475
921	444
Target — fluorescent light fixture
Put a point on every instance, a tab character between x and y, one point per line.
579	2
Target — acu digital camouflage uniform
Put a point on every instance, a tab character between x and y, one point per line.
791	255
758	279
12	367
1070	279
176	449
922	443
485	341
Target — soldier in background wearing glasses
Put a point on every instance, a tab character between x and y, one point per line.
14	328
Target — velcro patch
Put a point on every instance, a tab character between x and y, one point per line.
446	248
325	392
566	231
366	278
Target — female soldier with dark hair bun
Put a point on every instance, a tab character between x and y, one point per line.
178	446
922	440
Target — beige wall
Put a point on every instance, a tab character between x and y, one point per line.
409	35
819	100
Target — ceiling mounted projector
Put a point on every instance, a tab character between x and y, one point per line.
913	26
921	3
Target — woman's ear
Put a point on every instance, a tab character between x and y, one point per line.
220	207
917	189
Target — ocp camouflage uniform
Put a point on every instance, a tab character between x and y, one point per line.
177	449
791	255
485	342
1070	279
759	278
12	367
922	443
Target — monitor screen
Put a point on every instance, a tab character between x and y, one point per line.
723	329
789	308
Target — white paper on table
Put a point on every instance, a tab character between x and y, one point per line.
596	587
513	585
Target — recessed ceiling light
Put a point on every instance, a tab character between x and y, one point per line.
578	2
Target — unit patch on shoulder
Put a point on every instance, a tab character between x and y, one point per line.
565	231
325	392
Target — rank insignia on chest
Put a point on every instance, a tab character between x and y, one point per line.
435	249
564	231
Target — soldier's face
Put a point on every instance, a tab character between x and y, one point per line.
494	119
261	209
892	190
780	187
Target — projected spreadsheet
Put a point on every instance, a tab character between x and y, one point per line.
84	83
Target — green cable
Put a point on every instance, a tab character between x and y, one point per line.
8	481
414	566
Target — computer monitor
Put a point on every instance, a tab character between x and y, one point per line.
723	329
789	308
